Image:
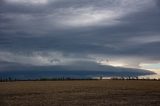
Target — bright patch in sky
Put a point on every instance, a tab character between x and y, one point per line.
89	16
116	64
112	63
152	66
29	1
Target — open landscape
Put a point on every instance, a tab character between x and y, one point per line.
79	53
80	93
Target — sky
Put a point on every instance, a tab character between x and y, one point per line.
111	36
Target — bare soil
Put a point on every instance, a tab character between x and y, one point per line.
80	93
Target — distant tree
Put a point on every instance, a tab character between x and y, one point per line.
122	78
1	79
15	79
101	77
9	79
129	78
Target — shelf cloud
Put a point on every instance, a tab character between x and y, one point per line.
66	33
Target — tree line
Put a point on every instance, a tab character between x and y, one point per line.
9	79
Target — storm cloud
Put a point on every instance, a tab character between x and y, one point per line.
69	33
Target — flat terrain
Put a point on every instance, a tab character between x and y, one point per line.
80	93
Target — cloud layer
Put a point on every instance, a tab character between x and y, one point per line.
58	32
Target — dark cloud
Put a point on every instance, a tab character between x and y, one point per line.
80	70
115	29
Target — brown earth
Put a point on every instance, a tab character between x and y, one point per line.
80	93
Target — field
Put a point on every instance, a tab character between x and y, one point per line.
80	93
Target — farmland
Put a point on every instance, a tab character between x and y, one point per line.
80	93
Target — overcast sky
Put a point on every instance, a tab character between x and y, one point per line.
80	34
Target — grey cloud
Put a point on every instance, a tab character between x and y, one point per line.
56	27
80	70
